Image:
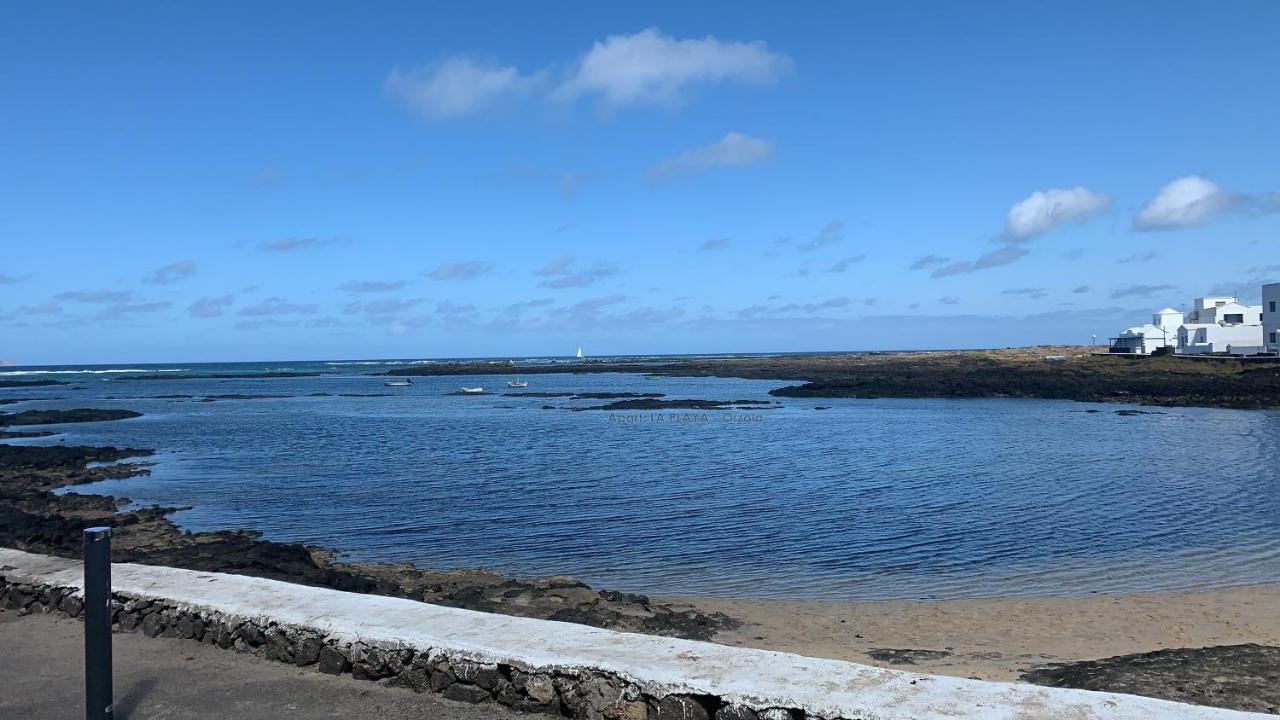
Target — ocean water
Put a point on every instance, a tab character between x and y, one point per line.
869	499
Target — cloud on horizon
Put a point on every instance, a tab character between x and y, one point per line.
277	306
292	244
580	278
714	244
459	271
1141	291
371	286
97	297
170	273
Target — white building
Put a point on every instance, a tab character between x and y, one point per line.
1271	316
1162	331
1221	325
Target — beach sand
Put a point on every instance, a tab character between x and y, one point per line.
1000	638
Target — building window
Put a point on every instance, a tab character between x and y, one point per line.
1275	338
1273	306
1236	318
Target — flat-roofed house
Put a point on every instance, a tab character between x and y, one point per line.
1222	325
1271	316
1161	332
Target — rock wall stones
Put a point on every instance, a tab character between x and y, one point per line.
587	695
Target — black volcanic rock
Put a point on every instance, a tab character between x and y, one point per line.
1240	677
29	383
53	417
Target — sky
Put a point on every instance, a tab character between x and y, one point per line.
252	181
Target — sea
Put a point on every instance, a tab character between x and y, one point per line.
836	499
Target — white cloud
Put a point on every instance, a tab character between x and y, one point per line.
1186	202
559	266
924	262
170	273
291	244
580	278
369	286
207	307
12	280
278	306
732	150
844	263
385	306
96	296
651	68
714	244
460	271
1045	210
1141	291
1005	255
456	87
832	233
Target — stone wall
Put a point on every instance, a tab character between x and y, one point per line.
538	666
588	695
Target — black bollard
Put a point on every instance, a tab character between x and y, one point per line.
97	624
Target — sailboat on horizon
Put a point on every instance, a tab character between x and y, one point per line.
579	352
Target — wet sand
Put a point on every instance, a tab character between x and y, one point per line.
1001	638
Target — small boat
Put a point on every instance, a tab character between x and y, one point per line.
517	384
473	391
579	352
398	383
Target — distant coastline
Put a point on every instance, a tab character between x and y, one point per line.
1077	373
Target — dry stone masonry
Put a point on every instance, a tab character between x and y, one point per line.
537	666
590	696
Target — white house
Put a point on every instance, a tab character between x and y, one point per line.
1221	325
1162	331
1271	316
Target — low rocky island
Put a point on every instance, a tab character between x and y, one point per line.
29	383
54	417
1076	373
650	404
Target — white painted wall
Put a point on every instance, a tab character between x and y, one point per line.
1271	316
660	666
1195	339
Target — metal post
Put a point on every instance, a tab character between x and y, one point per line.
97	624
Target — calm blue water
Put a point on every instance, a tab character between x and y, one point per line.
870	499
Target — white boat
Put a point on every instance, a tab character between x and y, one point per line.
579	352
473	391
517	384
398	383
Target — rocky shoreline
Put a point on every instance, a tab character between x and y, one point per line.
1076	373
36	519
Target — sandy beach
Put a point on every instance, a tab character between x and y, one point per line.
1001	638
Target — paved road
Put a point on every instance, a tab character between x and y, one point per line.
42	660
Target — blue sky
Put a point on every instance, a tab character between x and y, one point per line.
312	180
